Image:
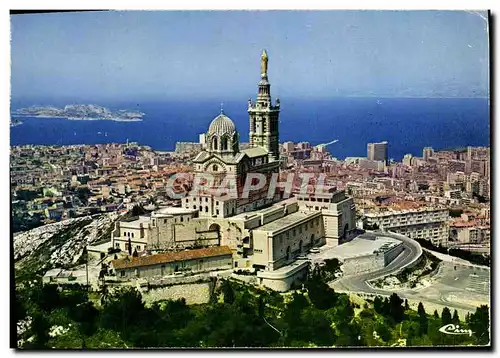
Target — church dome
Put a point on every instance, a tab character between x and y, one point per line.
221	125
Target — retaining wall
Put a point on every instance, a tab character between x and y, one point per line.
194	293
362	264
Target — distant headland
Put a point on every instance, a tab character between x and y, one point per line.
81	112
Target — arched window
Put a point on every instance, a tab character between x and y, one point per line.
215	143
214	167
224	143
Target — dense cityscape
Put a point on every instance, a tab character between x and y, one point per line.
226	244
103	216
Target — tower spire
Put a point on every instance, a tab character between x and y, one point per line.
264	116
221	108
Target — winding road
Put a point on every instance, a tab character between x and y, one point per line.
458	286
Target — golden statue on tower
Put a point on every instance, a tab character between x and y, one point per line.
263	64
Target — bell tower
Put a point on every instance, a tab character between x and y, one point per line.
264	117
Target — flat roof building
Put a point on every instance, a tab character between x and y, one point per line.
378	151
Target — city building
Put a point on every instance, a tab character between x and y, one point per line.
165	228
473	235
428	152
377	165
378	151
201	260
422	223
407	159
338	213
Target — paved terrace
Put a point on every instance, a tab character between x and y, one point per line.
359	246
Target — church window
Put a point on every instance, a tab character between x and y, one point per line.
214	167
206	209
182	219
206	200
215	143
194	206
217	211
224	143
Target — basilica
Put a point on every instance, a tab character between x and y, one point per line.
223	159
262	231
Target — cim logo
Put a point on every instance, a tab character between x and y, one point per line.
454	329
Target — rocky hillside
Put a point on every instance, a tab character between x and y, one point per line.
60	244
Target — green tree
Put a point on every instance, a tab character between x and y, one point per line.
46	296
384	332
407	306
378	304
122	311
480	324
422	320
294	309
455	319
40	329
70	339
86	315
350	334
105	338
315	328
321	295
227	291
412	334
261	306
446	316
396	310
436	314
129	246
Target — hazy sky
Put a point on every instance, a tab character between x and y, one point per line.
167	55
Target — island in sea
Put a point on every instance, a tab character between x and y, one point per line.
81	112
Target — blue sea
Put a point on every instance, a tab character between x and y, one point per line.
408	124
